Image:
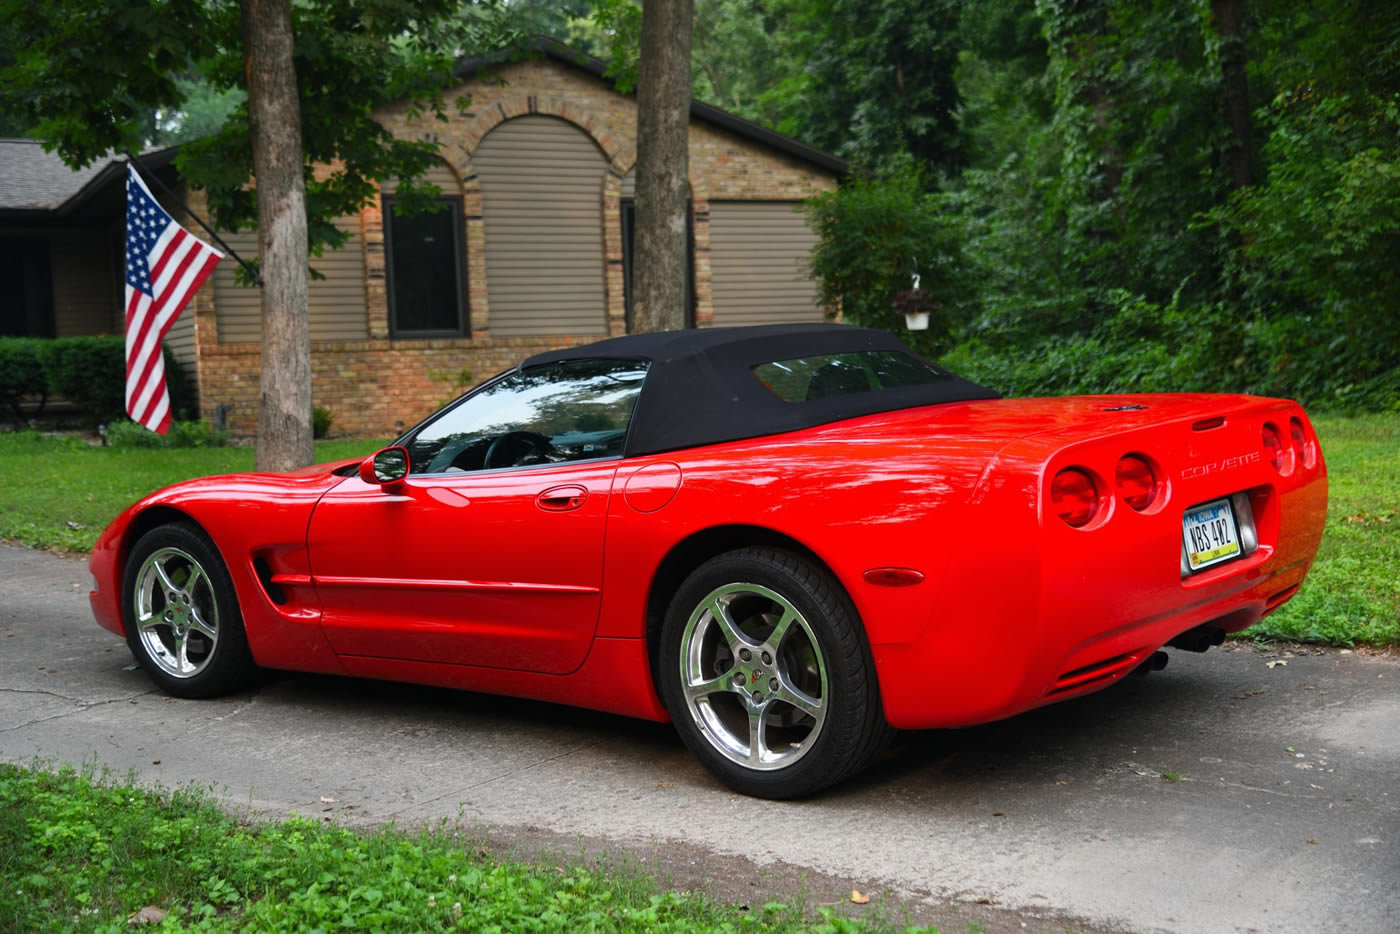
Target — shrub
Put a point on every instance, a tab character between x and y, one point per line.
321	420
873	236
21	373
90	372
124	433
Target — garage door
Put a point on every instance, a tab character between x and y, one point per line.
758	259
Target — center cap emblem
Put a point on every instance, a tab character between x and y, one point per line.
753	679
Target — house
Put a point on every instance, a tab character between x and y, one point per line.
534	251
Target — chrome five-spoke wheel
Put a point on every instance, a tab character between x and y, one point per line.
181	614
754	676
176	614
764	666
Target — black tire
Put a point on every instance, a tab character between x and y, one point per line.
192	606
822	652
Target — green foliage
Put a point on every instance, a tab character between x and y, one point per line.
204	109
321	420
88	80
1146	347
90	372
734	45
1104	245
874	235
615	30
83	853
735	54
125	433
1322	233
21	372
871	80
1000	76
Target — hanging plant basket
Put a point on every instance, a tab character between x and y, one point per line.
916	305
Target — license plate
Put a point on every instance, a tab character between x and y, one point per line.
1210	534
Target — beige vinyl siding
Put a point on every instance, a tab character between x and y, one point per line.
629	184
336	305
541	186
758	261
87	294
237	308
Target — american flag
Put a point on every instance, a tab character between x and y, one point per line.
165	266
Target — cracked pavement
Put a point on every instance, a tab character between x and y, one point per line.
1219	795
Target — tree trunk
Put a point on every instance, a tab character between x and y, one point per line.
1229	20
274	112
661	248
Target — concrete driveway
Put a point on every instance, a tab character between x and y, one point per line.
1219	795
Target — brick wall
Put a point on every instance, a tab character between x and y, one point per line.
377	386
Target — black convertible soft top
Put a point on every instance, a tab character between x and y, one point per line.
700	388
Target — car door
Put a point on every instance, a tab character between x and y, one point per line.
490	551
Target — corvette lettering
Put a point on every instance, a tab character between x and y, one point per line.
1229	463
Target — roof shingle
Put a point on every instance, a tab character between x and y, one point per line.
36	180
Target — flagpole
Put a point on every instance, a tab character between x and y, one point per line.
247	267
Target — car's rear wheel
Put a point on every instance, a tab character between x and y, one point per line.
181	614
766	672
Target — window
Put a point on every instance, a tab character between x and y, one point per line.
828	376
27	310
568	411
426	270
629	227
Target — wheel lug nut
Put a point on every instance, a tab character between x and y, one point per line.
739	678
758	697
772	684
745	654
767	659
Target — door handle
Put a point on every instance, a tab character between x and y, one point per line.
561	498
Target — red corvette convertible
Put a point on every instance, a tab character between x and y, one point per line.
788	540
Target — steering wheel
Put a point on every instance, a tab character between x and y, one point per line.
510	448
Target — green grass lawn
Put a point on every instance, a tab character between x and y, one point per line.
85	854
60	492
1352	595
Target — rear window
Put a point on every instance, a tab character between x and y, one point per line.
830	376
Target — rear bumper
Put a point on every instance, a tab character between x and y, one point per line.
1045	612
946	679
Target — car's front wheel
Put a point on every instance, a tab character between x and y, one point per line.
181	614
766	672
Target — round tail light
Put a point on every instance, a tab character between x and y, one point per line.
1273	446
1302	448
1074	497
1137	484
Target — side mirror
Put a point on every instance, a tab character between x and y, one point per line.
385	468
